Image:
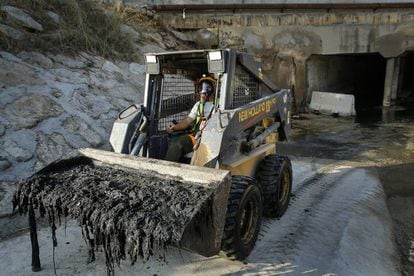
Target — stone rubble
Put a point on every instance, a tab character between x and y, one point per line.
11	32
16	151
27	111
54	16
77	126
36	59
52	104
133	34
2	130
183	36
22	18
4	164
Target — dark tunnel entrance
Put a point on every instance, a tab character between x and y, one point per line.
405	94
361	75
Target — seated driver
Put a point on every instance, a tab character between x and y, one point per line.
201	111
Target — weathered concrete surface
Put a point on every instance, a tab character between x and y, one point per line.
224	2
333	103
340	31
285	39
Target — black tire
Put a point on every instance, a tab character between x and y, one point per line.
275	178
243	218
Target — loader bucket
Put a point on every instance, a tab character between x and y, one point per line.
201	233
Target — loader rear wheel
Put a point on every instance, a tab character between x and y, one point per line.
275	177
243	218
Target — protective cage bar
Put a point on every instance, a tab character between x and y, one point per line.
177	97
246	88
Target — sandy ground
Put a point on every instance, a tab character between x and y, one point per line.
338	223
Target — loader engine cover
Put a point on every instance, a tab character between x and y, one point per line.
124	128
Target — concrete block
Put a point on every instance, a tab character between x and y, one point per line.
333	103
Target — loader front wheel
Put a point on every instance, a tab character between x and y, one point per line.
275	177
243	218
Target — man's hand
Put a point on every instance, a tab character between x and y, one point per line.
170	128
182	125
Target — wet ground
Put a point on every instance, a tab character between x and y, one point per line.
380	140
351	212
337	224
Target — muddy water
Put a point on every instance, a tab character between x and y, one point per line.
378	139
124	212
386	138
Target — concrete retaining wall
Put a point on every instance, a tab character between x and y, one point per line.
286	38
224	2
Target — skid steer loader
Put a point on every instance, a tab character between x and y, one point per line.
236	157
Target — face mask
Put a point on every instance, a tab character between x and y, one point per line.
203	98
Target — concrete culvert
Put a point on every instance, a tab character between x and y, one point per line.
361	75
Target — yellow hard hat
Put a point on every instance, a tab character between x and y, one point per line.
206	84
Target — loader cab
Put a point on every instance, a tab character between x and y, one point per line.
172	90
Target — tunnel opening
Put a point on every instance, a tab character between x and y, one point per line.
361	75
405	94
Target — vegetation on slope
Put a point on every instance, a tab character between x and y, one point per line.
84	25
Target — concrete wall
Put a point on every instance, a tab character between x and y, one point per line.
285	39
307	32
189	2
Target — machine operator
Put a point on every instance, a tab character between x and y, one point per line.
200	113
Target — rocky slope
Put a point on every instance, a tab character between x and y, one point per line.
52	102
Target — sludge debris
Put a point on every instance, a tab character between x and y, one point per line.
123	211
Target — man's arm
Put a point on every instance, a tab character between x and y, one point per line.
185	123
182	125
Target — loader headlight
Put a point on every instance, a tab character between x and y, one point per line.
216	55
152	65
151	59
215	62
